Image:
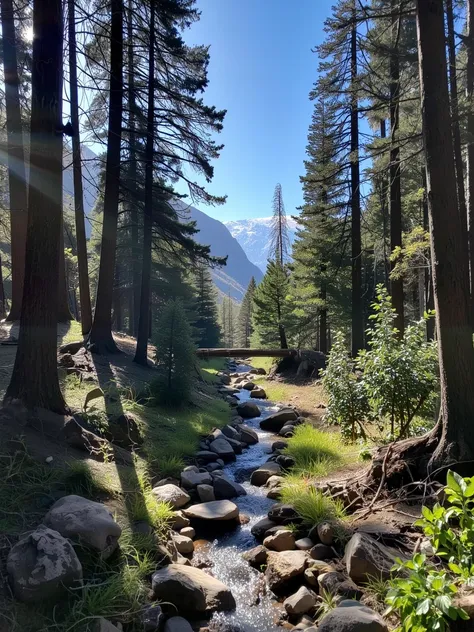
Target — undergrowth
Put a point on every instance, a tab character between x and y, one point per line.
309	502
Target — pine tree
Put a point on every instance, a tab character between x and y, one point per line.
245	318
175	356
279	239
205	307
271	314
228	321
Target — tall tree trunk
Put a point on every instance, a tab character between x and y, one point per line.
84	290
101	339
470	142
429	294
357	307
2	293
453	87
35	376
396	285
323	320
450	272
135	250
16	159
383	205
141	355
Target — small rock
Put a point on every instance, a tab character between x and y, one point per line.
166	481
276	421
336	584
248	386
190	480
223	449
287	431
206	456
191	590
231	433
280	541
183	544
261	475
261	527
286	462
102	625
259	371
301	602
42	566
304	544
283	514
248	410
321	552
248	435
352	620
180	521
152	617
191	468
256	557
217	510
171	494
326	533
177	624
206	493
315	569
279	445
85	521
49	459
188	532
258	393
237	446
225	488
281	567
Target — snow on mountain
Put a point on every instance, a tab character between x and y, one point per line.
254	237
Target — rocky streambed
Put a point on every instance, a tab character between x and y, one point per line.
236	559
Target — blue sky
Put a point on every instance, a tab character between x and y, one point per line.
261	70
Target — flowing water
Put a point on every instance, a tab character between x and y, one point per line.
256	610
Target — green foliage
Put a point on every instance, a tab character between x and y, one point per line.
309	502
328	602
244	322
316	452
400	375
175	356
272	309
205	307
347	400
424	598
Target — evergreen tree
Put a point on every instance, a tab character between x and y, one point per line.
245	318
175	356
271	314
205	307
279	239
228	321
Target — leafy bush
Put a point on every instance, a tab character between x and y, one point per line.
424	599
400	375
175	356
347	401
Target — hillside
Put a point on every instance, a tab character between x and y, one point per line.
254	237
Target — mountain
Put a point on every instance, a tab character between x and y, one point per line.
236	275
254	237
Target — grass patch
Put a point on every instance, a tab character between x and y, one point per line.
72	332
210	367
317	452
262	363
309	502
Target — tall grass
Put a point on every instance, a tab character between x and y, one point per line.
310	503
316	452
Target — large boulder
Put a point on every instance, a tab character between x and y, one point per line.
275	422
301	602
191	590
177	624
190	479
284	566
261	475
282	540
354	619
217	510
86	522
248	435
258	393
225	488
366	557
248	410
171	494
42	566
223	449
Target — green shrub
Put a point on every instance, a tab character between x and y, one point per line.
347	401
400	375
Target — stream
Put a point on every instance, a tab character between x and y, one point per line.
225	552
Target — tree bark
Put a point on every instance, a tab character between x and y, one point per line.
84	290
396	285
470	142
429	298
16	159
35	377
141	353
357	307
135	250
383	204
101	339
450	272
2	293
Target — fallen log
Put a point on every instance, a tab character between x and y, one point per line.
246	353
